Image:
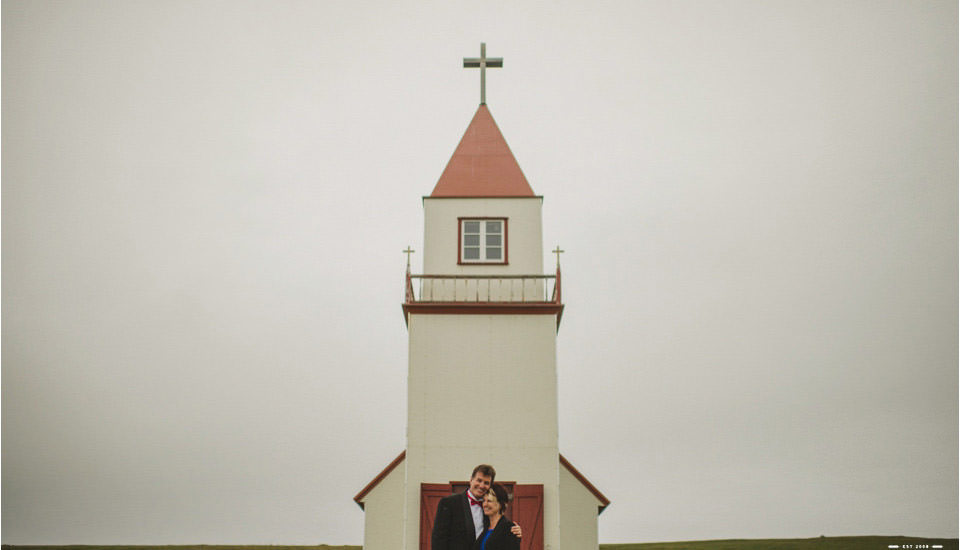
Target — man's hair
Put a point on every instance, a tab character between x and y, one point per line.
486	470
501	495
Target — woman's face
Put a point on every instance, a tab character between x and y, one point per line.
490	504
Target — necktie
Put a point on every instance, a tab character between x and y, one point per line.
473	501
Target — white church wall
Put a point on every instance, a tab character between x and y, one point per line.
491	363
441	232
482	389
383	512
578	514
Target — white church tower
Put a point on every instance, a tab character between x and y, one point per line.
482	382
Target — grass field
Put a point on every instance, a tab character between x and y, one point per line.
820	543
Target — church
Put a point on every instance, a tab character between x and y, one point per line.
482	320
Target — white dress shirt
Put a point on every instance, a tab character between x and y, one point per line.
477	512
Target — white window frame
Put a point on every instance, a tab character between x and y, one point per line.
482	242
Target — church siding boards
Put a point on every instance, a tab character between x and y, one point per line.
523	231
578	513
482	388
383	510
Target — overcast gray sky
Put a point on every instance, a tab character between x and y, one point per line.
204	205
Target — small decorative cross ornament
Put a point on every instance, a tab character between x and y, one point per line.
557	251
483	62
408	252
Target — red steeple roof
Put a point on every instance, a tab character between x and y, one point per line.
482	165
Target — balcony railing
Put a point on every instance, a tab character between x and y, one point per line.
483	289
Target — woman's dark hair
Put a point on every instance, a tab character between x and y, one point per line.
502	497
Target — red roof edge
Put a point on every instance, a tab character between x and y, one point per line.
563	461
376	481
596	492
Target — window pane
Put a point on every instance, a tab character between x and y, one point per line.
493	227
493	253
471	227
472	240
471	253
493	240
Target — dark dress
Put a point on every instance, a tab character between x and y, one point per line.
501	538
453	525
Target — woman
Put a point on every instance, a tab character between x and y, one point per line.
497	536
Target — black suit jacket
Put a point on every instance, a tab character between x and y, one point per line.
453	526
501	538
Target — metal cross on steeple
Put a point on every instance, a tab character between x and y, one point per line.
483	62
408	252
557	251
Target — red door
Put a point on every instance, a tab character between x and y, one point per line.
430	495
526	509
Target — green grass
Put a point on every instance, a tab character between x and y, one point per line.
820	543
179	547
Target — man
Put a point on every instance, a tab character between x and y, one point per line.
460	520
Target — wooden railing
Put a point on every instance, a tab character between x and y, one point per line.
492	289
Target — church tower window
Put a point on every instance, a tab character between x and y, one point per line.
483	240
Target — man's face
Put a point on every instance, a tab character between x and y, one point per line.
479	485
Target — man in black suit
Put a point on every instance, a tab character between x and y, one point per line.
460	520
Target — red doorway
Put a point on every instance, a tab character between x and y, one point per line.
526	509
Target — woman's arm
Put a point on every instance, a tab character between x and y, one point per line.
512	541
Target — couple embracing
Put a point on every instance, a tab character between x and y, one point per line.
476	519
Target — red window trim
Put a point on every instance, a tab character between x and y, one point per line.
460	260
